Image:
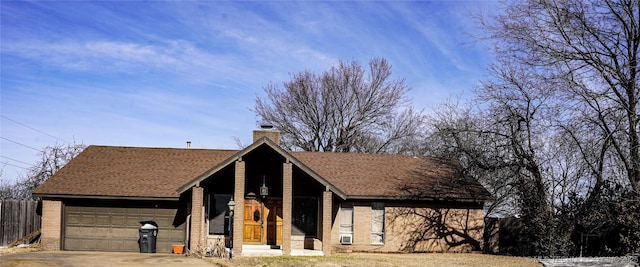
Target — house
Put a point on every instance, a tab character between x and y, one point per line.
293	201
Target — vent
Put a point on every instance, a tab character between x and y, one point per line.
346	239
266	126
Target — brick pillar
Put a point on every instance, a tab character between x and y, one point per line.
327	203
238	197
287	204
197	219
51	224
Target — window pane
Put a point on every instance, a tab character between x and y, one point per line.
305	215
377	239
346	218
377	223
218	224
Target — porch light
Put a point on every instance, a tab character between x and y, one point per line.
232	206
264	190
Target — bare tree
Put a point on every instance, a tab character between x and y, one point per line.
343	110
52	159
559	125
503	145
592	47
7	190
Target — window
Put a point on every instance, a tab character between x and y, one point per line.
305	216
346	223
377	223
218	213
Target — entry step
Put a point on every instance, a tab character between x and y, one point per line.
261	247
261	250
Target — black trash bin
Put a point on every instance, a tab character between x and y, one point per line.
148	234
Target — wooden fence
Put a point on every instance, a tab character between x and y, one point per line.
18	218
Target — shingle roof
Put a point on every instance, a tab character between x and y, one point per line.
158	172
131	171
393	176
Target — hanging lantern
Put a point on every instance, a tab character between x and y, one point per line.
264	190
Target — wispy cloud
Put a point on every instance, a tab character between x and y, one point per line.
115	57
155	73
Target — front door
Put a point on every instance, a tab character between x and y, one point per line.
274	222
252	222
264	232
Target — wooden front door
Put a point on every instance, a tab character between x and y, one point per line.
252	221
274	222
271	234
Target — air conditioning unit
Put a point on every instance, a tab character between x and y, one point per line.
346	239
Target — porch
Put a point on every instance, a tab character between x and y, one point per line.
280	209
268	250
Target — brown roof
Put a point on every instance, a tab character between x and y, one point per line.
393	176
158	172
131	171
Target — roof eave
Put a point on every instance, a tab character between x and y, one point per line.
196	181
405	198
103	197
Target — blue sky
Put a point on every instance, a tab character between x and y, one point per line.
159	73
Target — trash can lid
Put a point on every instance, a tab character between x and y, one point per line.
148	225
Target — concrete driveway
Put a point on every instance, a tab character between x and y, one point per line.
95	259
631	261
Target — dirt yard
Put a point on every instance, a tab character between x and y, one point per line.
371	260
360	260
98	259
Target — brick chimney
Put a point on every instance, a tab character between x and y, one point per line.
269	132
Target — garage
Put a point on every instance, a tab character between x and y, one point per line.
109	226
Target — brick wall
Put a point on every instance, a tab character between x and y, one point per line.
287	199
51	224
197	220
238	196
406	229
327	202
362	223
273	135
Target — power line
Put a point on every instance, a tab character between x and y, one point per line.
17	122
7	163
16	160
16	142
